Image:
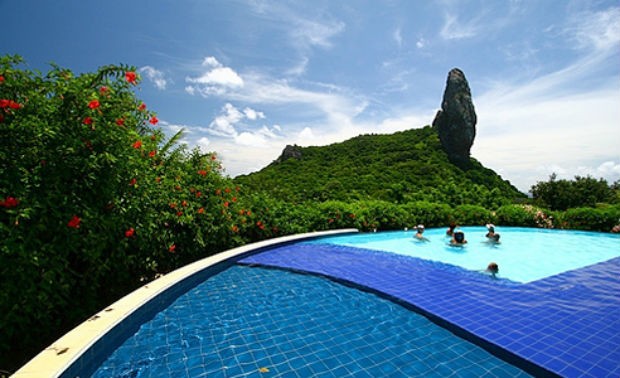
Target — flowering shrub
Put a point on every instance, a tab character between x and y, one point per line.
86	183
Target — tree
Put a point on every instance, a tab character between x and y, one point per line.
565	194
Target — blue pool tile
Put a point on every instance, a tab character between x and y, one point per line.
551	322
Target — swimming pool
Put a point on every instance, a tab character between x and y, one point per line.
523	254
566	324
246	321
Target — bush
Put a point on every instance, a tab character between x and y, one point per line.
93	201
592	219
472	215
427	213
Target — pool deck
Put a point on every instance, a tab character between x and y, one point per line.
559	324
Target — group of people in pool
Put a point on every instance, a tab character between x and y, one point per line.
458	240
457	236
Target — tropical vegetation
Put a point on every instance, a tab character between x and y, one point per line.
95	200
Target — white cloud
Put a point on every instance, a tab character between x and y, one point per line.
398	37
454	29
595	30
315	33
420	43
223	125
519	133
155	76
215	81
203	144
253	114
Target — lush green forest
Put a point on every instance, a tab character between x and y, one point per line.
403	167
95	201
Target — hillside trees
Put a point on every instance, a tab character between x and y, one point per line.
401	167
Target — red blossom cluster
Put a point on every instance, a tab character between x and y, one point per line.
9	202
94	104
10	104
74	222
131	77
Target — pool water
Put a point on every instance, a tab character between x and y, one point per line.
251	322
523	254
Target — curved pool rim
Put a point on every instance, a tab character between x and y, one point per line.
83	347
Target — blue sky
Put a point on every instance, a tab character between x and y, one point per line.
246	78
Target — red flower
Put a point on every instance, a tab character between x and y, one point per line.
201	210
94	104
179	213
129	233
172	248
14	105
103	89
87	121
226	204
4	103
235	228
173	205
120	121
152	153
184	203
74	222
198	194
137	144
133	182
153	120
218	192
1	79
9	202
213	157
131	77
234	199
202	172
142	106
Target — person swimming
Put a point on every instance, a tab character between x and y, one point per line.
458	239
451	228
420	231
493	269
491	230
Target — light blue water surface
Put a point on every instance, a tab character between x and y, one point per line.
523	254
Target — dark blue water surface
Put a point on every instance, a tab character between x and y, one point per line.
567	324
251	322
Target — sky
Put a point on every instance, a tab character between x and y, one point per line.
245	78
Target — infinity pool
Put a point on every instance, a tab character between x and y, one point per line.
350	306
523	254
245	322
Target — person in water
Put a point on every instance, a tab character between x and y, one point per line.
458	239
493	269
451	228
491	231
419	234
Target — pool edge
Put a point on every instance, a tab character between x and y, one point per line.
63	353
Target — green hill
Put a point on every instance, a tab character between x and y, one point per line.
401	167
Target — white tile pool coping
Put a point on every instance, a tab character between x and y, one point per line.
58	357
